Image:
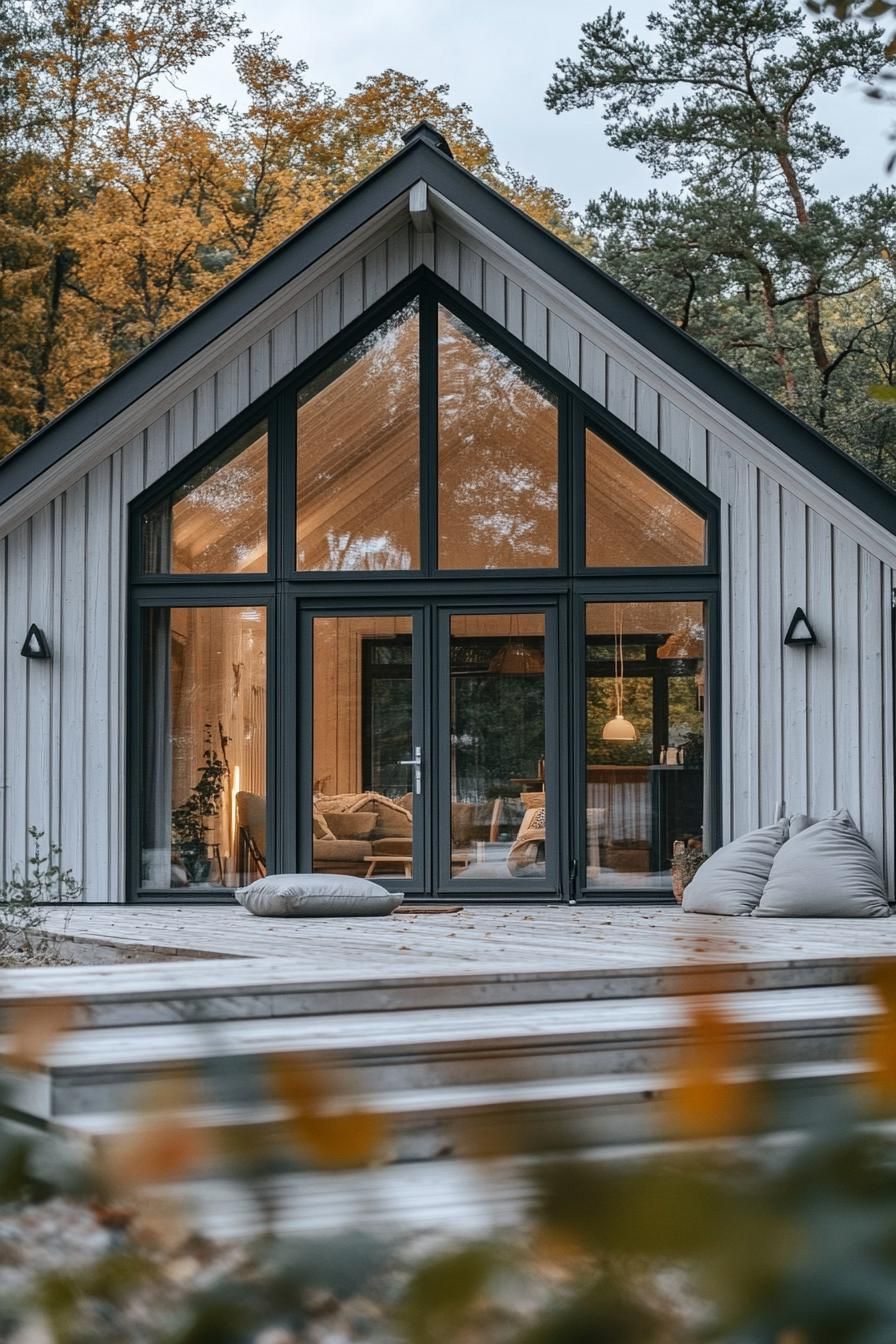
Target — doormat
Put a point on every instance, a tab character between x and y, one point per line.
427	910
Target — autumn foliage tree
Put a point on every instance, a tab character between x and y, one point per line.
124	204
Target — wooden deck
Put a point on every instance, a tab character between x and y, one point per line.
495	939
563	1024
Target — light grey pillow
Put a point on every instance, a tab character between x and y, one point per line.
828	871
316	895
732	880
800	822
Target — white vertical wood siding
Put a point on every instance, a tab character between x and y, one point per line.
811	727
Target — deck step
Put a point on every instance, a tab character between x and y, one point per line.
548	1115
95	1070
184	991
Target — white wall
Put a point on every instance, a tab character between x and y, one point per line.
812	727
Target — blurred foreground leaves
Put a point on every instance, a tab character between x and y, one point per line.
744	1234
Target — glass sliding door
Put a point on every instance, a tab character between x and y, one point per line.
497	750
644	740
367	762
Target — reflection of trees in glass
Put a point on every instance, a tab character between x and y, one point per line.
633	520
217	521
388	731
685	718
358	454
497	457
497	725
684	725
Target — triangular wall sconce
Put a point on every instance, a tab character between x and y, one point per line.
800	631
35	645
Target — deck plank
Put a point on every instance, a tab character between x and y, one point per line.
488	937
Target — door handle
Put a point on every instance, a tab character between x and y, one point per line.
417	762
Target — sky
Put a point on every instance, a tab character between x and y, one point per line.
498	55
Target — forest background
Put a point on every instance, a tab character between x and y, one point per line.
125	200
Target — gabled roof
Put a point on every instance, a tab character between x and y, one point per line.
427	155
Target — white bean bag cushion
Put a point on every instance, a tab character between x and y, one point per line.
316	895
828	871
732	880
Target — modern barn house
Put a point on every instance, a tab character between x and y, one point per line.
427	552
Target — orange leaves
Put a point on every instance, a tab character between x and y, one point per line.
332	1133
34	1029
707	1098
880	1043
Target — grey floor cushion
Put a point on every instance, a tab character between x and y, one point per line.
827	871
732	880
316	895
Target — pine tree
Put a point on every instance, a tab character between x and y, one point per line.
796	290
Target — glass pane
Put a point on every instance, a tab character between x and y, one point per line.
644	739
631	519
217	523
498	436
204	746
497	747
362	812
358	462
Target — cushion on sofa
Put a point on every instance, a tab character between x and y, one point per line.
732	880
351	825
319	828
393	819
527	850
828	871
316	895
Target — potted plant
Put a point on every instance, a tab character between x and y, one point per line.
686	859
189	828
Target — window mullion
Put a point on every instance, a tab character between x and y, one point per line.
429	432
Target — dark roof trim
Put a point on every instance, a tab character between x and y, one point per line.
425	157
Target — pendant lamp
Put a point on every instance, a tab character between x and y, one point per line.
516	658
618	729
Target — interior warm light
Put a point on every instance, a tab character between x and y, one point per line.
235	788
517	658
619	728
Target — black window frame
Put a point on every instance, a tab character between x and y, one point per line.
283	585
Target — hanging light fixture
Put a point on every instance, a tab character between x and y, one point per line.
516	658
618	729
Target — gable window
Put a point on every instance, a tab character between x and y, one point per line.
217	522
428	616
358	455
497	463
630	519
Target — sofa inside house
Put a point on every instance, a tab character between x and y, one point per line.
351	829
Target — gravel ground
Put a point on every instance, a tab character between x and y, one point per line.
52	1251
